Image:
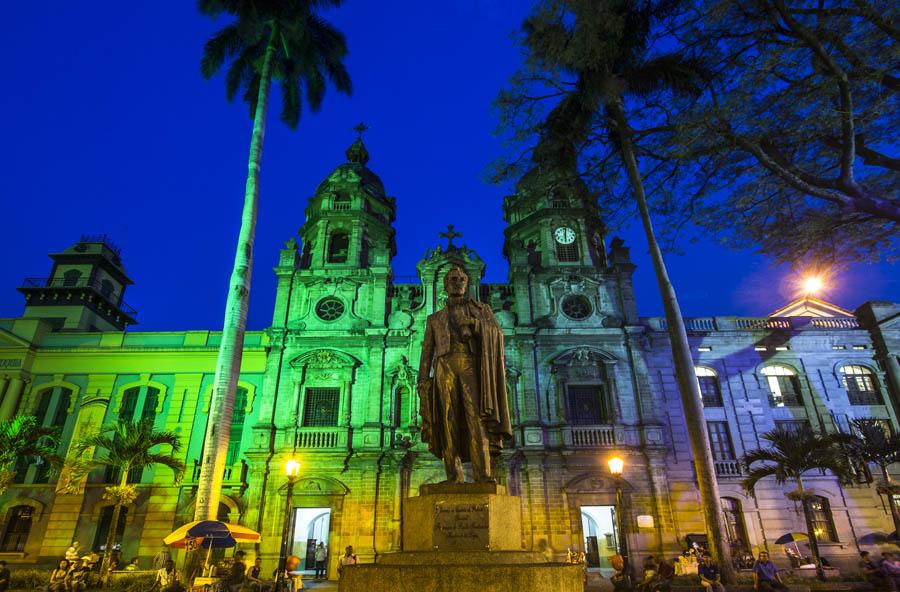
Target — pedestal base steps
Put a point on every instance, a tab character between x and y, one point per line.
464	537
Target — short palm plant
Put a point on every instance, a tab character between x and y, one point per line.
790	453
872	443
23	437
125	446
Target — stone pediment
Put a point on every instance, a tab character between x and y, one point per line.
8	339
325	358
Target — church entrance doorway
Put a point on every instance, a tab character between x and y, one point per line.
311	527
601	538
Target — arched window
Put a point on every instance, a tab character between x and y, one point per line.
784	386
735	529
103	528
862	389
709	387
401	406
18	526
238	419
338	247
820	517
71	277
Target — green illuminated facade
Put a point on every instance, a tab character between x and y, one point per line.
332	383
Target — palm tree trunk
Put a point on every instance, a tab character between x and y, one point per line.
688	386
113	527
811	532
228	364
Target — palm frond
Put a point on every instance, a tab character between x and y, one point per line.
223	45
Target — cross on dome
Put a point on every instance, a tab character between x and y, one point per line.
450	235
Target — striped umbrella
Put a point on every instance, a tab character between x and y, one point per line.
210	533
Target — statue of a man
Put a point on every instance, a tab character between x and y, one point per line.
463	405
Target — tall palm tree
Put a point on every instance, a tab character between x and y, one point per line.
126	446
790	453
872	443
23	437
605	45
288	41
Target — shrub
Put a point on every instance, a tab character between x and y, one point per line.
129	583
28	579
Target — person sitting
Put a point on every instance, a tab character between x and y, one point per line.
76	579
289	579
5	577
236	577
890	565
254	579
168	579
58	577
133	565
765	574
665	573
709	574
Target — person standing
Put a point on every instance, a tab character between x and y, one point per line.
709	574
72	552
238	569
5	577
159	560
321	556
765	574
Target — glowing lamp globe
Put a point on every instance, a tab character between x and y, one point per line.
616	466
292	468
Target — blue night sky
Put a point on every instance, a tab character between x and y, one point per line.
108	127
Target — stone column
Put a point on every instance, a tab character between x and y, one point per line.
11	400
4	380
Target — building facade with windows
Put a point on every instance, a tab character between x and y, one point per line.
331	383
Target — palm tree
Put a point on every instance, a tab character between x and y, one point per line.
270	39
791	452
23	437
126	446
872	443
605	45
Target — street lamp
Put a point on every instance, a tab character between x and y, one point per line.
291	470
616	468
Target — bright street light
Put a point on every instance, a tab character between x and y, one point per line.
292	468
616	466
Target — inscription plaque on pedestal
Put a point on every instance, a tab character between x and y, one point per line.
461	526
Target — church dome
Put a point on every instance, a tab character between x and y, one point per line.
354	172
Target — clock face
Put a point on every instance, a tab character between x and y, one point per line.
564	236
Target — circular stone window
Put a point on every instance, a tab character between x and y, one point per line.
576	306
329	309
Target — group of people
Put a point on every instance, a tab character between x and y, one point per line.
884	574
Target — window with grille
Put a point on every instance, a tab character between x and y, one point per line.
150	403
720	440
567	253
735	529
820	516
103	528
709	387
320	408
784	386
129	404
338	247
586	404
44	398
793	425
62	408
18	527
861	386
238	419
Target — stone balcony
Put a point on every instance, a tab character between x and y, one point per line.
720	324
729	469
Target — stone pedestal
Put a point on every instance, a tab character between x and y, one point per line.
463	537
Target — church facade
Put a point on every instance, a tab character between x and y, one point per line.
331	383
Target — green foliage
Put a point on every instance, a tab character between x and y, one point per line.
872	443
28	579
308	51
131	583
23	436
127	445
790	453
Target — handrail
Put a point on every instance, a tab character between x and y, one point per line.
33	283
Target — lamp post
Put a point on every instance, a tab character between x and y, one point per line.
291	469
616	467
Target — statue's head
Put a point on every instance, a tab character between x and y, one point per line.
456	282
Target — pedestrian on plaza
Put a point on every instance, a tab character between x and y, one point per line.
709	574
168	579
72	552
5	577
237	577
159	560
349	558
871	572
890	565
321	556
765	574
58	576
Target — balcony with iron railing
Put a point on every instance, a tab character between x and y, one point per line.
36	285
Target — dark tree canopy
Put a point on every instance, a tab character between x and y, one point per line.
308	51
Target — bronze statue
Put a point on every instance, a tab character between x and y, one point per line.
465	416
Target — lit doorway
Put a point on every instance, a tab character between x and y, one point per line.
311	526
601	539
